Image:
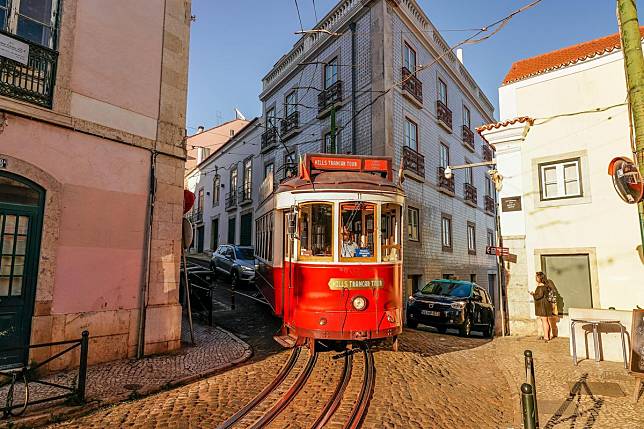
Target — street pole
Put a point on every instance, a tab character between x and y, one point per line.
634	68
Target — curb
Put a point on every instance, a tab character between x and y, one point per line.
67	412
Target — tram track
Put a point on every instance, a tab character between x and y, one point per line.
359	405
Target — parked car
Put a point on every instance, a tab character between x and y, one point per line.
452	304
237	262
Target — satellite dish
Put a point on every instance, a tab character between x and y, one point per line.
186	233
627	180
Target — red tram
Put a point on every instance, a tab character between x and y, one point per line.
329	250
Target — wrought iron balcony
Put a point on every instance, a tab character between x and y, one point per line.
468	137
488	153
412	84
444	114
290	124
329	97
489	204
413	161
245	193
195	216
470	194
33	82
443	182
231	200
269	139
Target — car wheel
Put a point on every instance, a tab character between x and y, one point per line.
489	331
412	324
466	328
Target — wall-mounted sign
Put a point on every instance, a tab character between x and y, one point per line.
627	180
498	251
14	49
3	163
511	204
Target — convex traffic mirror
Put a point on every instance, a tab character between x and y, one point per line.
626	179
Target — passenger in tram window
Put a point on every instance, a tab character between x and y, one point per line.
349	246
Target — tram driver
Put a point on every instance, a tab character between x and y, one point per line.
349	246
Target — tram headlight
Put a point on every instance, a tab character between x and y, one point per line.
359	303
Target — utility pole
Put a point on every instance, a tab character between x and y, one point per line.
634	67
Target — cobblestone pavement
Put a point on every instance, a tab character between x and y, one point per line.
216	349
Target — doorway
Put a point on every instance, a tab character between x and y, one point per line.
214	236
21	208
246	229
231	230
200	238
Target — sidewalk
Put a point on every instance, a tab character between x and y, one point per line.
117	381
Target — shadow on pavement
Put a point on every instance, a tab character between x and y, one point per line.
579	412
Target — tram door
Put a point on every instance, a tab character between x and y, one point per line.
20	218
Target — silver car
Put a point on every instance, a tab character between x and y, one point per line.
237	262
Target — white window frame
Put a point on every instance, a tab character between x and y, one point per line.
330	73
413	222
409	57
490	238
409	125
469	174
442	91
271	119
471	238
216	190
443	155
467	117
13	15
446	232
560	179
290	103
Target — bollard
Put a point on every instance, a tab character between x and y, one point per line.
82	369
529	379
232	295
528	407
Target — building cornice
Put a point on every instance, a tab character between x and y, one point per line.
511	131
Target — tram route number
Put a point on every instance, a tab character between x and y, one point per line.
340	284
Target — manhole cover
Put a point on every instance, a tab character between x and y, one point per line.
597	388
132	386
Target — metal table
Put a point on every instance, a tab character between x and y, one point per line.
595	324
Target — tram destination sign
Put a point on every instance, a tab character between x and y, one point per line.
340	284
331	163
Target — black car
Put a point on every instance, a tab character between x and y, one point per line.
452	304
238	262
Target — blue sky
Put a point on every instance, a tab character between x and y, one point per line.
234	43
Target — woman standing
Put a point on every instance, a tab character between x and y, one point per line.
542	307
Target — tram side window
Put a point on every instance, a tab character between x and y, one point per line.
316	223
390	232
357	231
264	237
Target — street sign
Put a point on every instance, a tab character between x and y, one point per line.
511	204
498	251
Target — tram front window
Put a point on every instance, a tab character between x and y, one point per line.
316	224
357	231
390	232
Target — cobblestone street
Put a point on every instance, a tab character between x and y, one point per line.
434	381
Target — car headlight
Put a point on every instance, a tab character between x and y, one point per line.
458	305
246	269
359	303
411	299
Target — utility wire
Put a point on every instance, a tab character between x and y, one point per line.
299	17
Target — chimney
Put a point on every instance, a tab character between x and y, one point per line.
459	55
200	129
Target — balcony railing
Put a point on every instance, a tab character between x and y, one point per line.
245	193
444	114
443	182
34	82
412	85
330	96
470	193
413	161
488	154
269	138
468	137
195	216
290	124
489	204
231	200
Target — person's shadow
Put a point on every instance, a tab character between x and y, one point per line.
575	393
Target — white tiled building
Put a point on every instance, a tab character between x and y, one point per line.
226	186
554	147
427	122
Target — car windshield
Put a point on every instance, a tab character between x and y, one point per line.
457	290
244	253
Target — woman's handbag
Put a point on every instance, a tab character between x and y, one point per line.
551	296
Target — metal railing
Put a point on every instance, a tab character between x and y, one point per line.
196	216
330	96
489	204
444	114
412	84
25	373
290	123
468	137
444	182
488	154
470	193
231	199
413	161
269	139
33	82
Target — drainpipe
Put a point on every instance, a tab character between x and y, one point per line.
352	27
145	274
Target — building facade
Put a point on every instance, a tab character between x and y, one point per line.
358	87
226	185
205	142
92	115
564	118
